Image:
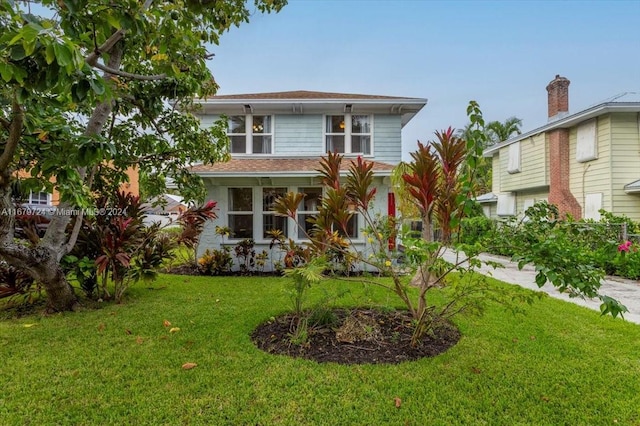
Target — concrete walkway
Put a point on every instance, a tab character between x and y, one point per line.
623	290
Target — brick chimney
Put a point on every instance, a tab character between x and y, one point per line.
558	99
559	162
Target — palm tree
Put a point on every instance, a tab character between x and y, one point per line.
499	132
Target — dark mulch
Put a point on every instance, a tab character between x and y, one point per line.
359	336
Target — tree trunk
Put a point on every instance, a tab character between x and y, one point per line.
60	295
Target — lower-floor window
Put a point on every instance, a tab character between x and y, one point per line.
245	223
240	213
271	222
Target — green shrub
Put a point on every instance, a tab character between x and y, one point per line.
475	229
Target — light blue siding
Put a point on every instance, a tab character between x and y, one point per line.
387	144
298	135
207	121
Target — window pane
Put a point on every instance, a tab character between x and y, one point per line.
236	124
312	199
261	144
304	230
335	124
335	144
241	199
361	144
352	227
241	225
238	144
271	222
261	124
360	124
269	196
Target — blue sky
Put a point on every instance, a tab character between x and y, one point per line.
499	53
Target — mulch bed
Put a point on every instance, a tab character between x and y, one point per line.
358	336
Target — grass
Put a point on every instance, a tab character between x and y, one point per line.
557	364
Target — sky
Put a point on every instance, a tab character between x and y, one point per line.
501	54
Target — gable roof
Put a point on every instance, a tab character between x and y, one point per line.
312	102
304	94
281	167
624	102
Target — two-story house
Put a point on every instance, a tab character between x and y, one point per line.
581	162
276	142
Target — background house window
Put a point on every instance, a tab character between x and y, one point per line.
308	209
513	165
270	221
39	198
240	213
348	134
506	205
586	145
592	205
251	134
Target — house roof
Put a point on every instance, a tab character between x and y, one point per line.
281	167
303	94
312	102
624	102
489	197
633	187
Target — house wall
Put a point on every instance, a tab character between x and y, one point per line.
533	166
625	163
298	134
592	176
217	190
526	198
302	135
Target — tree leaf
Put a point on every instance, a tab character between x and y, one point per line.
189	365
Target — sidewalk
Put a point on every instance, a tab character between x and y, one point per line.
625	291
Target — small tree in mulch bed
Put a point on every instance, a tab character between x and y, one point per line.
440	181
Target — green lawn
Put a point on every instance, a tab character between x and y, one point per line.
558	364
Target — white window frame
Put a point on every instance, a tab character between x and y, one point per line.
300	190
587	141
264	213
348	126
241	212
39	200
249	132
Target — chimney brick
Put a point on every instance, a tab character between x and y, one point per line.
558	99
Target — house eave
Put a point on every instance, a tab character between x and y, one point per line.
407	108
568	122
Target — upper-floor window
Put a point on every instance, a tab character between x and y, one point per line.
39	198
348	134
250	134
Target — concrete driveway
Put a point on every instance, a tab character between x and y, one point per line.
625	291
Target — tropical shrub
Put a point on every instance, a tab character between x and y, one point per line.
215	262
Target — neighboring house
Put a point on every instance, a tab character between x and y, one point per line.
165	209
48	199
581	162
276	142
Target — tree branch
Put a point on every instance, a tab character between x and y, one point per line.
125	74
92	58
15	130
5	123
